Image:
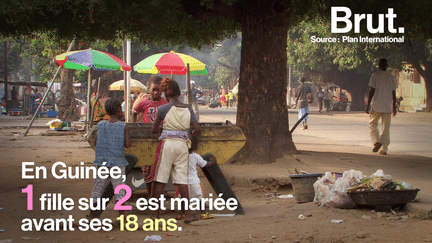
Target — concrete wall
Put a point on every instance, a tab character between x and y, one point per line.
411	87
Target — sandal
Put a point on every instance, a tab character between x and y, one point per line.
180	217
382	153
207	216
376	147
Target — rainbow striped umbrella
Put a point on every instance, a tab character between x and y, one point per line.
86	59
170	63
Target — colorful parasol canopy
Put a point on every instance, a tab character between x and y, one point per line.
86	59
170	63
135	86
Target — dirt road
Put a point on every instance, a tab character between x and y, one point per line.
267	218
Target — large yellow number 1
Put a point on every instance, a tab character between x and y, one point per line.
121	219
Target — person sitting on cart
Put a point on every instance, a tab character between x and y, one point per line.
147	105
99	112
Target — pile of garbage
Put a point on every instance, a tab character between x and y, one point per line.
378	183
58	125
331	191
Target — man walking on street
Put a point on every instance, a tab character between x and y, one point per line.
302	91
196	94
383	97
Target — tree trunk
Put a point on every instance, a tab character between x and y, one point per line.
427	76
67	110
425	70
358	100
262	111
357	85
354	83
429	94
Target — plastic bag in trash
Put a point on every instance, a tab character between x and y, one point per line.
322	187
153	238
337	196
380	173
338	200
407	185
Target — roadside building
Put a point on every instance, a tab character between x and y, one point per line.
412	88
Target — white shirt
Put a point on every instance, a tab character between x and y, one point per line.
194	160
384	84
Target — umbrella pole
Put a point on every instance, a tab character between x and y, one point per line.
289	84
128	77
188	85
47	92
42	102
88	102
94	106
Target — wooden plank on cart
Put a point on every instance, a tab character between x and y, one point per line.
219	183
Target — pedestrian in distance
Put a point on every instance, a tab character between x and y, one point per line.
302	91
231	98
320	96
28	91
196	94
381	104
328	98
222	99
227	100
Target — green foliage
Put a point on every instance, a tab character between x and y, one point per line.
346	64
226	61
13	48
165	23
34	55
222	62
306	55
150	21
40	50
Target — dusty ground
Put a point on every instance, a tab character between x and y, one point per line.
267	219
